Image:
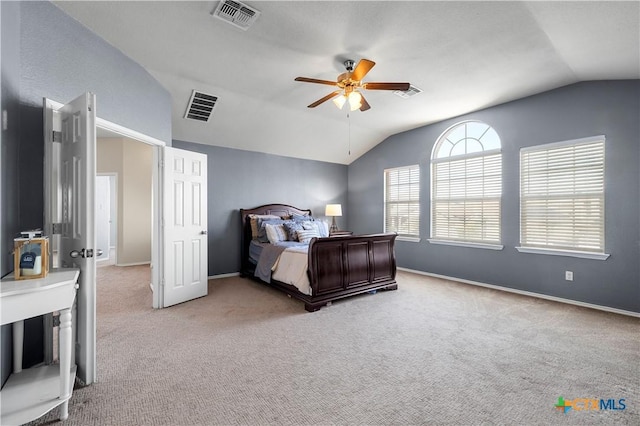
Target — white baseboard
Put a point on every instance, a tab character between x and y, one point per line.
528	293
134	263
216	277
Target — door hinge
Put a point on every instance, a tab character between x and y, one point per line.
56	228
56	136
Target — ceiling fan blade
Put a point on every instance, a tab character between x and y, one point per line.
365	105
363	67
387	86
315	80
326	98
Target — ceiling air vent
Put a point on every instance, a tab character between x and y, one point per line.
413	90
236	13
200	106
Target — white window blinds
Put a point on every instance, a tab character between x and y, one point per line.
402	201
562	196
466	199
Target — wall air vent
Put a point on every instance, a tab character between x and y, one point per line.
413	90
200	106
236	13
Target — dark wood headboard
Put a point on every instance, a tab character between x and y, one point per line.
281	210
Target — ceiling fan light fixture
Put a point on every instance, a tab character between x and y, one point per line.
348	83
339	101
355	100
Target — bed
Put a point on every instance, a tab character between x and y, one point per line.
317	271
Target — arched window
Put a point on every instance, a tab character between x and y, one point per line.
466	185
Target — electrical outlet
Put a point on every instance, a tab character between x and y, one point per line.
568	275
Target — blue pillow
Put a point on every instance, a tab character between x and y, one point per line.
292	227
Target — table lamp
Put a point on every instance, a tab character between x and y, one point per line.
333	210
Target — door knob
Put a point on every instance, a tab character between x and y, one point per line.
82	253
99	252
203	232
75	253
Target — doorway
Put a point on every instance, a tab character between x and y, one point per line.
106	218
129	163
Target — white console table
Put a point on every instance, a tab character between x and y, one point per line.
33	392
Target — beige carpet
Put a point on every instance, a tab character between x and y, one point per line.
433	352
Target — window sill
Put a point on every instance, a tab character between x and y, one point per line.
410	239
569	253
466	244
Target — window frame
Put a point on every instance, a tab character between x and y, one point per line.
435	159
564	251
402	237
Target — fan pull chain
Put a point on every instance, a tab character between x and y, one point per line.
349	119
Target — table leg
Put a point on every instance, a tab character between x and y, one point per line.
65	361
18	338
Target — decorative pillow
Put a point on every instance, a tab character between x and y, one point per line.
301	217
292	227
253	220
323	228
305	235
262	231
319	225
275	233
308	225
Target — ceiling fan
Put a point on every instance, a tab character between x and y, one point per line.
349	82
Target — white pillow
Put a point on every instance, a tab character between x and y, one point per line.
320	226
305	235
323	228
275	233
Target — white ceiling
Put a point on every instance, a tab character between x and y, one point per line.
463	55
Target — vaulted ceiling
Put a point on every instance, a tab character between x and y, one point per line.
464	56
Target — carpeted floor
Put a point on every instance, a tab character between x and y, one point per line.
432	352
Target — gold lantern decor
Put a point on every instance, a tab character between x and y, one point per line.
31	256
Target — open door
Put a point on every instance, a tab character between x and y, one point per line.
185	226
76	181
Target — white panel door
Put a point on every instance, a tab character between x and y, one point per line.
77	242
185	226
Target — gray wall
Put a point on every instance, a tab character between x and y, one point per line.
63	63
243	179
45	53
9	201
611	108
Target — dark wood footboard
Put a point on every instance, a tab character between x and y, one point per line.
343	266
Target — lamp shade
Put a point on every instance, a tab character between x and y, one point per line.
355	100
333	210
339	101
